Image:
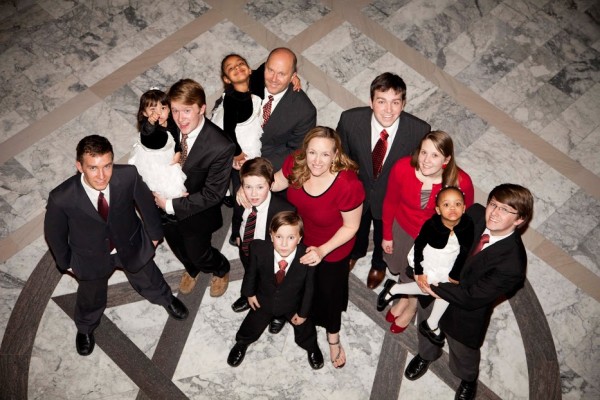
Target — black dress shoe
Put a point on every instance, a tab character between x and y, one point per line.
228	201
241	304
382	302
315	359
375	277
276	325
466	390
237	354
177	309
85	343
416	368
426	331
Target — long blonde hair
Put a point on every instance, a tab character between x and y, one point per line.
301	173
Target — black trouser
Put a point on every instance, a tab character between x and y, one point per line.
195	251
92	294
464	360
256	322
362	240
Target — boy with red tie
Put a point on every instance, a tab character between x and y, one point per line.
257	178
278	285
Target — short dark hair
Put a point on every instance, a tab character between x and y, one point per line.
516	196
387	81
258	166
286	218
94	145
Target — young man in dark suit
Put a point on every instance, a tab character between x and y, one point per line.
206	159
278	285
287	114
91	227
257	176
361	129
495	269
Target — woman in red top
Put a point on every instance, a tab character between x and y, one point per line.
413	185
321	182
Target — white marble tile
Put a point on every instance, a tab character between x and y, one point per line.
586	152
55	358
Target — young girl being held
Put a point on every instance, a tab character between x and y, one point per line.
438	255
239	112
156	154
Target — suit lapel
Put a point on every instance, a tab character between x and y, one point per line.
195	152
364	137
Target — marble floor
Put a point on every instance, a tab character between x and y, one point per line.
516	83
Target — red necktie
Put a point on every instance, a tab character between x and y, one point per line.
379	153
281	273
103	211
485	238
249	231
184	149
267	110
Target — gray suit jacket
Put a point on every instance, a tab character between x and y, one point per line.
291	120
354	129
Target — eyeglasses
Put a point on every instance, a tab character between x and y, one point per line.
503	210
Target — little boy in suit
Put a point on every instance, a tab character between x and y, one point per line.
257	178
278	285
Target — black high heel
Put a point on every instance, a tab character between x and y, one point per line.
382	302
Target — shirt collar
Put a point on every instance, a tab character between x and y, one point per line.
288	259
377	127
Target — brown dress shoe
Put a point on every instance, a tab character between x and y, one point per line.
352	263
375	278
218	286
187	283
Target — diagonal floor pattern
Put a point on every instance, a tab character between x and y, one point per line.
516	83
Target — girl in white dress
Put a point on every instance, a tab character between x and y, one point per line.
156	153
438	255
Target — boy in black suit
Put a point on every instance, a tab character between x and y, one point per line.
277	284
257	178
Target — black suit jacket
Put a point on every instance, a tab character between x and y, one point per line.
491	274
276	205
78	236
284	132
208	168
295	293
354	129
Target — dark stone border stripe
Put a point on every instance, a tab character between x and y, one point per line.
154	378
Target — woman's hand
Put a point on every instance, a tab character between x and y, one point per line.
241	199
453	281
388	246
313	256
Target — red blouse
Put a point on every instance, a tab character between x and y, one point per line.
322	214
402	200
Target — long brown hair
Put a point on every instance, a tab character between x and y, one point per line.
443	143
301	173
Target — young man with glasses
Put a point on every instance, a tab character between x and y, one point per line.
494	269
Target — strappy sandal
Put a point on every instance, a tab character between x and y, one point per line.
339	354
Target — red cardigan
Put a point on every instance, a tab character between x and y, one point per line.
402	200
